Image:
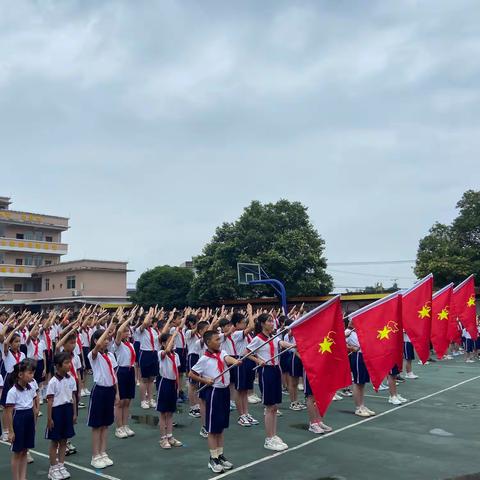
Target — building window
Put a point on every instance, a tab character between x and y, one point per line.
19	236
38	236
48	262
38	260
28	260
47	284
18	261
71	281
17	287
2	258
48	238
28	235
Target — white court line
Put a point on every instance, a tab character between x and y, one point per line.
74	465
347	427
375	396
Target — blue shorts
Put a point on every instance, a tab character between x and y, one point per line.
49	357
167	395
126	382
245	376
408	353
307	389
469	345
477	343
86	351
358	368
148	363
270	383
182	355
192	359
217	408
285	360
62	417
38	376
136	347
100	408
24	429
295	367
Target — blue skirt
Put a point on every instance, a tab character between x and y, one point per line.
167	395
62	416
182	355
148	363
245	376
101	406
192	359
38	376
295	367
24	429
358	368
126	382
285	360
408	352
136	347
217	408
270	383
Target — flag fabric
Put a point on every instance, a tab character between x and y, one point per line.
320	339
465	309
441	314
380	333
417	315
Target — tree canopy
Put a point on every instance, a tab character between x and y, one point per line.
452	252
280	237
164	285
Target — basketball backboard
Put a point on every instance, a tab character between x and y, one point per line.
248	272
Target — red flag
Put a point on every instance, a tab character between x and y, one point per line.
441	313
379	330
465	310
417	315
320	340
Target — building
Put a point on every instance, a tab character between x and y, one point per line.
31	271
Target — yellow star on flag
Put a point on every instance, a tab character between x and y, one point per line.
326	345
424	312
384	333
471	301
443	315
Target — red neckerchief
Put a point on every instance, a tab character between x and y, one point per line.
24	334
263	337
49	340
110	367
233	345
249	338
35	344
73	371
220	364
182	336
152	341
172	358
16	356
133	357
79	342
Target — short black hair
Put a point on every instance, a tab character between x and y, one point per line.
61	357
223	322
202	324
237	317
164	337
207	336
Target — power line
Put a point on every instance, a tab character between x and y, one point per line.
371	274
380	262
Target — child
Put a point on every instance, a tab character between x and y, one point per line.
62	414
167	395
294	373
125	354
193	334
469	346
408	355
102	397
228	345
20	413
178	324
216	396
316	424
36	351
270	376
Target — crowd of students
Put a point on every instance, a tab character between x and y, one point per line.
207	358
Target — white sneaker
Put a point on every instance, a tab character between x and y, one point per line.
97	462
295	406
252	420
402	399
448	357
5	436
106	459
54	473
326	428
39	414
243	421
280	441
121	433
370	412
382	387
63	471
300	387
316	428
411	375
394	400
29	457
203	432
153	403
87	392
469	360
271	444
144	404
337	397
128	431
361	412
254	398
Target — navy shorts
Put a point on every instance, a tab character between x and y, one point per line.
217	408
24	429
192	359
167	395
136	347
477	343
38	376
148	363
245	376
182	355
285	359
394	371
408	353
469	345
7	385
270	383
358	368
295	368
62	417
49	358
126	382
86	351
100	408
307	389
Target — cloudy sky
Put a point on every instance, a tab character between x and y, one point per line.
149	123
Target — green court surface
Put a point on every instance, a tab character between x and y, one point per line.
435	436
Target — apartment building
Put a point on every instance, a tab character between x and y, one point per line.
31	270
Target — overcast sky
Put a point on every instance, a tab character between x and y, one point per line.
150	123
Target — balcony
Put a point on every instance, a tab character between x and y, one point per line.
7	295
27	218
32	246
16	271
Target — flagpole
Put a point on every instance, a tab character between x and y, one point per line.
276	356
245	356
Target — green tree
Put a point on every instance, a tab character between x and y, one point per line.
164	285
452	252
280	237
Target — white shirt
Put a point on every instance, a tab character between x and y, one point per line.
466	334
43	336
406	338
207	367
101	371
265	352
166	366
145	339
197	347
31	349
241	341
9	361
190	339
23	336
352	341
21	398
123	354
228	344
61	389
180	341
1	381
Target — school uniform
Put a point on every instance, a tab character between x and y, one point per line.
148	352
193	350
35	349
21	399
477	341
357	364
469	343
23	340
216	396
9	361
136	342
1	387
295	365
269	376
46	336
228	345
180	348
167	393
408	351
126	357
61	389
102	396
244	373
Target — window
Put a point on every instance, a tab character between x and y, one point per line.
38	260
47	284
38	236
48	238
28	260
28	235
17	287
2	258
48	262
19	236
71	281
19	261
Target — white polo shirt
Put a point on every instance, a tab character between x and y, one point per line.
123	353
352	341
180	341
102	375
146	340
208	367
21	398
9	360
190	340
35	349
241	341
61	389
166	365
197	347
228	344
1	381
265	352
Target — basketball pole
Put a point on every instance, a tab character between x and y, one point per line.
279	288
